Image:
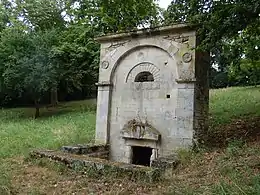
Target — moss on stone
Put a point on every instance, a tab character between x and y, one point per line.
96	167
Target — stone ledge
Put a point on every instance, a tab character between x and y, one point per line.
86	149
104	84
85	164
98	151
185	80
136	136
145	32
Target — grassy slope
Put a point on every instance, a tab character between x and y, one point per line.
233	103
234	170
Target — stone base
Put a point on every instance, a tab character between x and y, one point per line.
100	167
93	159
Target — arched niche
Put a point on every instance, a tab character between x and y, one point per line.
144	76
145	71
120	55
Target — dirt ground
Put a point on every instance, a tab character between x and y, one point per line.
198	172
31	178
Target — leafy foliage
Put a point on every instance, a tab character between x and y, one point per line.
77	57
228	29
27	66
48	45
247	73
108	16
217	20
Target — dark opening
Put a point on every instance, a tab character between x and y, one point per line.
168	96
141	155
144	77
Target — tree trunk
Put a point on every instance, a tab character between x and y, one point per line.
54	97
37	109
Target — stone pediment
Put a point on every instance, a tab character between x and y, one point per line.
141	131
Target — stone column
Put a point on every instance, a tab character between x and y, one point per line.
103	108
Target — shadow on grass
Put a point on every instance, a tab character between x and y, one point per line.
48	111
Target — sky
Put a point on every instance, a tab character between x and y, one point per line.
164	3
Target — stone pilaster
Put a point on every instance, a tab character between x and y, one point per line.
103	106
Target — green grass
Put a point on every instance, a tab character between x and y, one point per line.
239	170
233	103
72	123
232	170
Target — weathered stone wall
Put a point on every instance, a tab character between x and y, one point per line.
169	103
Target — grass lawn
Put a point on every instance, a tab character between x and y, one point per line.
70	123
234	169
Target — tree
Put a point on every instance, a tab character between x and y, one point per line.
221	27
217	20
26	66
246	73
108	16
43	15
77	57
56	46
3	18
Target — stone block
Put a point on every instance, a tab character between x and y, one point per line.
167	162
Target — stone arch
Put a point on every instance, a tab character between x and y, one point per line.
116	62
144	76
143	67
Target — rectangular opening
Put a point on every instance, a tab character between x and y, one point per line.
141	155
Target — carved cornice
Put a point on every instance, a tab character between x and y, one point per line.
147	32
115	45
177	38
139	130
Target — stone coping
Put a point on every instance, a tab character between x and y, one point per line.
104	84
145	32
85	149
99	151
85	164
